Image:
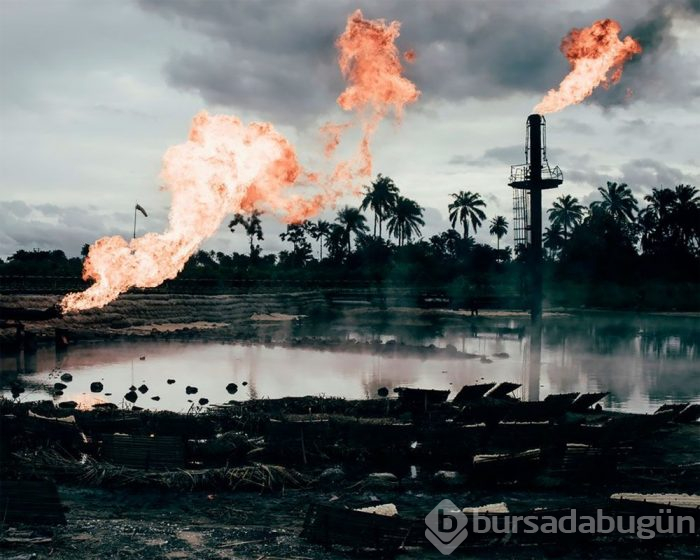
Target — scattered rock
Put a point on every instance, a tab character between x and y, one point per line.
66	377
96	387
191	390
59	386
136	408
131	396
56	394
244	383
383	392
448	478
203	401
382	480
68	404
156	398
142	358
108	394
485	360
143	389
501	355
132	388
170	381
232	388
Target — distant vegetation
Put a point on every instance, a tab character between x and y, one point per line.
618	252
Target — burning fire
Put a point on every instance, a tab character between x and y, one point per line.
592	53
226	166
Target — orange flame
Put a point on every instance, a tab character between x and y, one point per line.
592	53
226	166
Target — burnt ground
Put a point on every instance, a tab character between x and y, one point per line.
122	524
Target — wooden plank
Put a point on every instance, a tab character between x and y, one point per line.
333	525
470	393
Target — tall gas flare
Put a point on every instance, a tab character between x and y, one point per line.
593	52
226	166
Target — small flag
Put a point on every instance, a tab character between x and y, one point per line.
141	209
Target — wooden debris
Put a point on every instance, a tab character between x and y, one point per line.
330	525
470	393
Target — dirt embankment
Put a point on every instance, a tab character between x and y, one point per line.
142	314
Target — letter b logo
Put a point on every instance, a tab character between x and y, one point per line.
446	527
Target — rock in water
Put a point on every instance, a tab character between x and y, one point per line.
171	381
131	396
155	398
203	401
143	389
383	392
191	390
66	377
96	387
59	386
68	404
232	388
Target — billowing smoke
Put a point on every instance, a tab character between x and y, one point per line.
226	166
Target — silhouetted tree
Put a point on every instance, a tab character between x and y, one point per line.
405	219
352	222
296	235
618	201
320	231
553	239
499	227
567	213
379	197
253	229
466	208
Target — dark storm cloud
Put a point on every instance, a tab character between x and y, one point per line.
645	173
277	56
660	72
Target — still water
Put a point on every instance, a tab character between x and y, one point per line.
643	360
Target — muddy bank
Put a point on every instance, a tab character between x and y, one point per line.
146	314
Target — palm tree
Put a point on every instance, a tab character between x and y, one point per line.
552	239
352	221
320	231
380	197
466	208
686	213
618	201
252	226
405	219
566	213
499	227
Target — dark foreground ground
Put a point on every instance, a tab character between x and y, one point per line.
123	515
148	524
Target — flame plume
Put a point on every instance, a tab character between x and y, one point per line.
592	53
226	166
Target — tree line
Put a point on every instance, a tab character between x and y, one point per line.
616	243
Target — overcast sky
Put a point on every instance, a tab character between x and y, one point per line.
93	93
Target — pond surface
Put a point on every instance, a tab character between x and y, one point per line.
643	360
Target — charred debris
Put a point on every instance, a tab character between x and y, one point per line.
480	442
